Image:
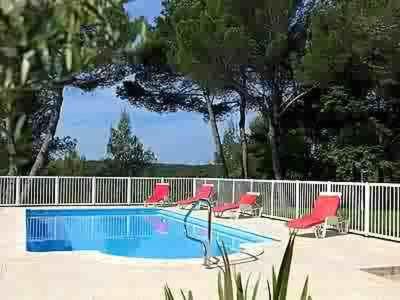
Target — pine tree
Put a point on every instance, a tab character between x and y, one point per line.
240	46
231	146
125	149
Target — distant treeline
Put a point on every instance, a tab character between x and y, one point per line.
102	168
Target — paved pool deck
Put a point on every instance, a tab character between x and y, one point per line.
333	265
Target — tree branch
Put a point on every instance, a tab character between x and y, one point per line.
4	131
289	102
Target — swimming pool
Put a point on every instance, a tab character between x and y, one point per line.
136	232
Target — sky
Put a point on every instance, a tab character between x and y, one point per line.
175	138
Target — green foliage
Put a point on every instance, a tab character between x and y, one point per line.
72	164
107	167
52	39
237	46
232	50
175	170
230	284
232	152
279	288
202	39
125	149
44	45
350	161
295	152
169	296
232	287
260	161
353	35
351	55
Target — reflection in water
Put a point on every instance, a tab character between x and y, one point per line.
159	224
88	227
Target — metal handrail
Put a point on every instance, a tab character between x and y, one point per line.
206	246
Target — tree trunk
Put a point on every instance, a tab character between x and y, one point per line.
243	138
50	132
275	148
220	157
275	134
11	149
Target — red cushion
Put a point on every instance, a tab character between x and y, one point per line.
161	191
224	207
326	206
248	199
305	222
204	192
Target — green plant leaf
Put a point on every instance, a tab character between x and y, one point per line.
273	280
255	290
167	293
183	295
246	289
305	290
95	11
228	280
19	126
239	288
284	271
269	291
229	285
220	289
189	296
26	65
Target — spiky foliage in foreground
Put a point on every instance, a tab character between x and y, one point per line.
231	284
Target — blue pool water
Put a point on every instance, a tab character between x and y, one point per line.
146	233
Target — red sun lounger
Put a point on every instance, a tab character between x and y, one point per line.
325	211
204	192
247	204
159	196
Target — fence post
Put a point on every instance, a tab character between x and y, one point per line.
297	199
329	187
367	209
56	190
233	191
18	191
272	198
218	189
194	186
251	185
129	191
93	190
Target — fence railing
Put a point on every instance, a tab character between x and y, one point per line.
372	208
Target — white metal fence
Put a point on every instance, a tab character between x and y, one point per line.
372	208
